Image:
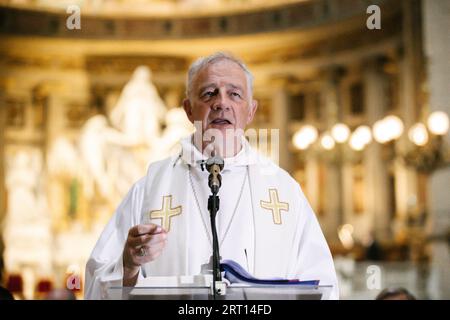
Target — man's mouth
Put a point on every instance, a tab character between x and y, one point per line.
220	121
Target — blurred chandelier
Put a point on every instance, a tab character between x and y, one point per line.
429	150
425	150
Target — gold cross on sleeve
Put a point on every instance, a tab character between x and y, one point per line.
166	213
275	205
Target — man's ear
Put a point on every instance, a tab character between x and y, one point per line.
188	109
252	111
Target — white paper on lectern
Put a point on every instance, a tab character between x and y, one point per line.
201	280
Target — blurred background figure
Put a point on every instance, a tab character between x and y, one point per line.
5	294
395	294
374	252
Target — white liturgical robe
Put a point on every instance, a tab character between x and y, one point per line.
264	223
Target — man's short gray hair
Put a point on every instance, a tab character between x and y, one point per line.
203	62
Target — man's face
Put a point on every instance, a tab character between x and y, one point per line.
220	98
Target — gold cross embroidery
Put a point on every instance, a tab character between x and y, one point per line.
166	213
275	206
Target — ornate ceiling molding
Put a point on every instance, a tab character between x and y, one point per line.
104	64
291	16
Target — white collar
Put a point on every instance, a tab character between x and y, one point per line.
192	156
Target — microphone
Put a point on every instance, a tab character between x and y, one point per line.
214	166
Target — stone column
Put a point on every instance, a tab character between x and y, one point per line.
334	188
409	71
2	176
311	161
2	157
312	173
54	129
55	115
377	191
347	194
436	24
280	121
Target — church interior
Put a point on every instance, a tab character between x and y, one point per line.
357	89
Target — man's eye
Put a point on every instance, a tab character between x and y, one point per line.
235	94
209	94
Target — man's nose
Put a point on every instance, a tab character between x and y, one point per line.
221	102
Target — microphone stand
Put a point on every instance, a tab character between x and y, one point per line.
214	165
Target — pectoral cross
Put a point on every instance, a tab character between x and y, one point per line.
275	205
166	213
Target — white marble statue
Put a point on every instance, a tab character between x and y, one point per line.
139	110
114	156
177	127
27	231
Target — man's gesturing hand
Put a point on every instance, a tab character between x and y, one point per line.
145	243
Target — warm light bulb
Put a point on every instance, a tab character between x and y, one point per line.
380	131
394	125
298	140
310	133
345	234
304	137
340	132
300	143
418	134
356	142
327	142
438	123
364	134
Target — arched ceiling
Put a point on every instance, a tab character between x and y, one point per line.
291	36
287	16
150	8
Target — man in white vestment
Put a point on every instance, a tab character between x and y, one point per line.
264	223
